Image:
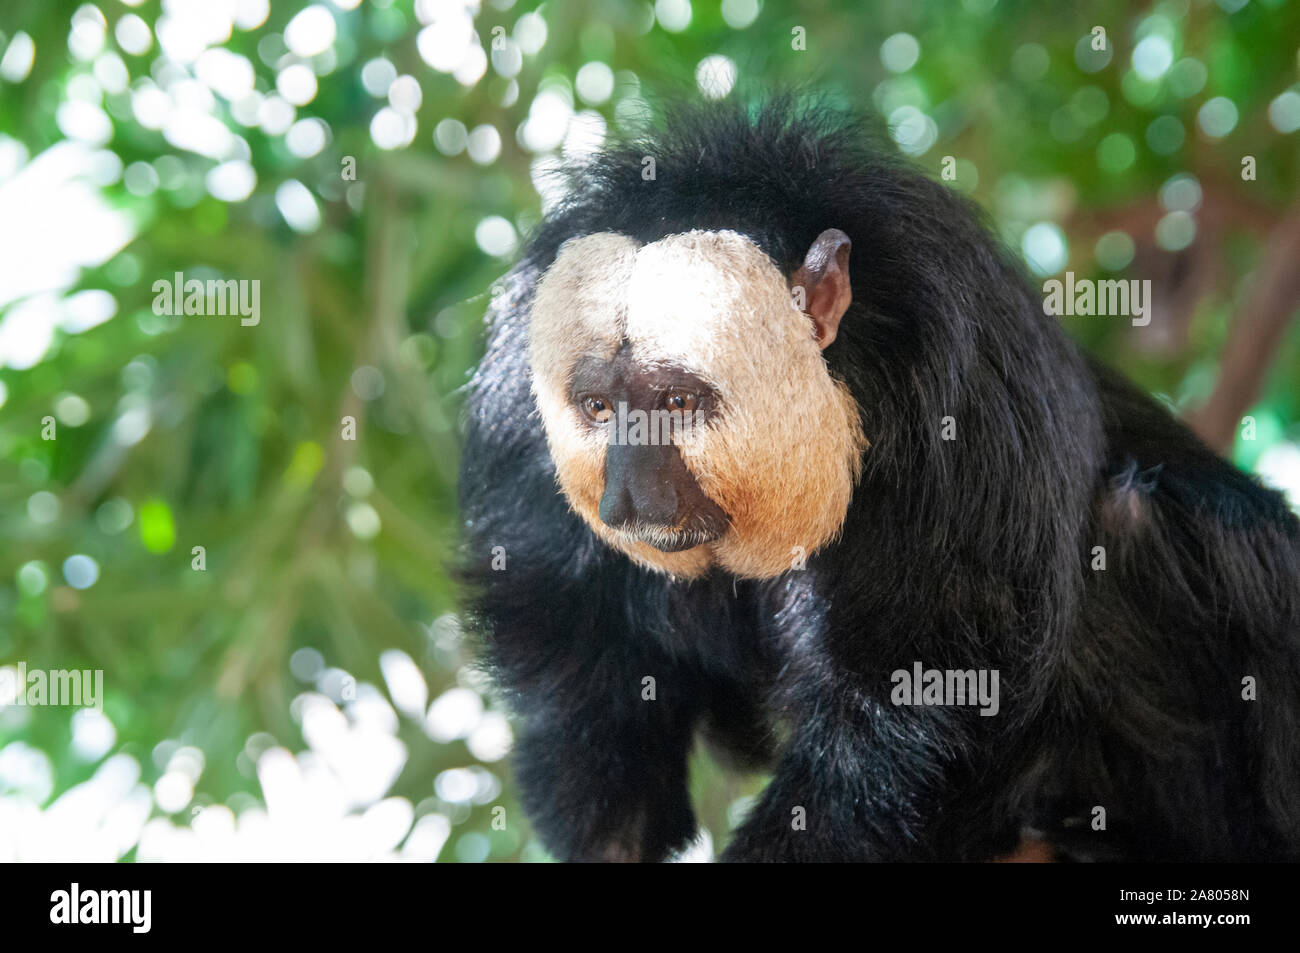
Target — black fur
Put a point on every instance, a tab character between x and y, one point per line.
1120	688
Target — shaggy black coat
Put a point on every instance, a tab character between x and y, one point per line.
1121	688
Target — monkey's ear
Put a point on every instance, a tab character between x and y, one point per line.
824	277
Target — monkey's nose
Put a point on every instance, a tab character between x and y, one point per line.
639	487
625	507
617	509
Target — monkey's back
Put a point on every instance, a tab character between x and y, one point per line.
1186	662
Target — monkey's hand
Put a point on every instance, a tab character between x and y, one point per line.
603	786
847	789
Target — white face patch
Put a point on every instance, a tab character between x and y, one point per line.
783	449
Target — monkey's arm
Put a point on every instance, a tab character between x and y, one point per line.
861	783
605	722
602	770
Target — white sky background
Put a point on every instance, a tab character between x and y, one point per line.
56	223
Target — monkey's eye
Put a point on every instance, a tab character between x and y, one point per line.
681	400
597	408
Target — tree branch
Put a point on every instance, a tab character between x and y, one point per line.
1255	335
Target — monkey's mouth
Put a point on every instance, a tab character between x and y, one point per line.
668	540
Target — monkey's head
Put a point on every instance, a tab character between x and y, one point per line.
687	406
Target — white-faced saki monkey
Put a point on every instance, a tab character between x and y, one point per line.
773	443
